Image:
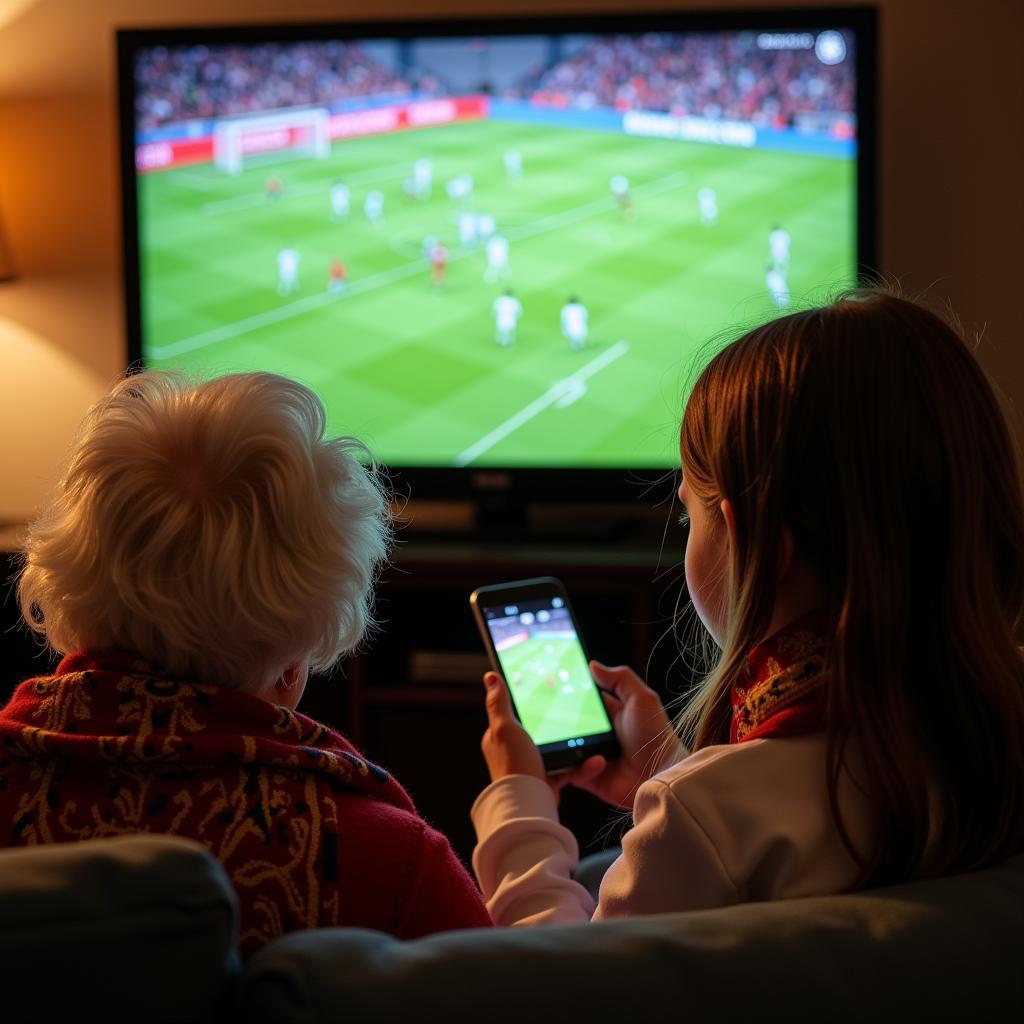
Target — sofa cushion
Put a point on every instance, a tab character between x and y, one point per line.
134	928
942	949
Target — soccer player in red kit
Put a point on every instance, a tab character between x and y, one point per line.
337	278
438	264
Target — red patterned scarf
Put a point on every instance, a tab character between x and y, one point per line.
783	693
107	746
114	708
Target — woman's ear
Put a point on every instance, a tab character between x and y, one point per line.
291	684
725	507
289	677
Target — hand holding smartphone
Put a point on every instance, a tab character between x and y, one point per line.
531	636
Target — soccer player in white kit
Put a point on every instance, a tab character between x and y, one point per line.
574	323
507	311
460	188
620	189
467	227
513	164
339	200
778	242
374	207
778	286
485	225
422	177
287	271
708	202
497	257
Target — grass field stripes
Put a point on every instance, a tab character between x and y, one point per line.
572	387
411	364
543	224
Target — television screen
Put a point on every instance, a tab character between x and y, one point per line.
490	245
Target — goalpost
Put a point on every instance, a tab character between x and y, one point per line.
300	131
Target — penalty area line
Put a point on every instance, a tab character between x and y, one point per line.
273	316
569	386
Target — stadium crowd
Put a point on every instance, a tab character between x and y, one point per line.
180	84
709	75
715	76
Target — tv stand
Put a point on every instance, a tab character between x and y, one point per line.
501	519
496	515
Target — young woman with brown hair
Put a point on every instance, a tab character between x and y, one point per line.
856	550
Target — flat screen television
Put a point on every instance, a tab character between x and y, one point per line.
494	248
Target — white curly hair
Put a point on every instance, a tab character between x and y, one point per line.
211	527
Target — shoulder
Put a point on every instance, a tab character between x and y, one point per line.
737	764
382	826
378	841
399	842
374	816
763	780
764	807
762	792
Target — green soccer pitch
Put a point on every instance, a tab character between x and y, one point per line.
415	370
550	684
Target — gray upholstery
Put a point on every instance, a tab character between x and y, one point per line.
144	927
931	951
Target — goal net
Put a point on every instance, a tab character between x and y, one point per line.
299	132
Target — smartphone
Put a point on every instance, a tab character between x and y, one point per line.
530	633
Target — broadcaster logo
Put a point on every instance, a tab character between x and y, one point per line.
830	47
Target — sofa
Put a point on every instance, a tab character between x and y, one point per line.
142	928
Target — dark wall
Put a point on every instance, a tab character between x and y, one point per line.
21	654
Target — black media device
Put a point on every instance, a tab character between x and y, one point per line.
349	203
533	642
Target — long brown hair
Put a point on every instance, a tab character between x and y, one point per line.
868	428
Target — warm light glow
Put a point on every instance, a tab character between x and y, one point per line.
10	9
44	394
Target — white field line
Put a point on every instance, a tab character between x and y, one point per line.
578	213
570	385
572	394
250	323
273	316
385	277
307	188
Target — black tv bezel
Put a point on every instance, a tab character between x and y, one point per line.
517	484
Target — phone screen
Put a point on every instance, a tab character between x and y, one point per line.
543	663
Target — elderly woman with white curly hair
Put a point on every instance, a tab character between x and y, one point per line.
207	546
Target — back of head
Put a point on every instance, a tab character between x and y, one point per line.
212	528
868	428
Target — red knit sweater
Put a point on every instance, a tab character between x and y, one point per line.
311	834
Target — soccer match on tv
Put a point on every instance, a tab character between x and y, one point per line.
470	247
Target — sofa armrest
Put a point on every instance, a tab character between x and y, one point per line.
135	928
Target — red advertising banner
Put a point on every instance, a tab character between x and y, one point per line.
154	156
